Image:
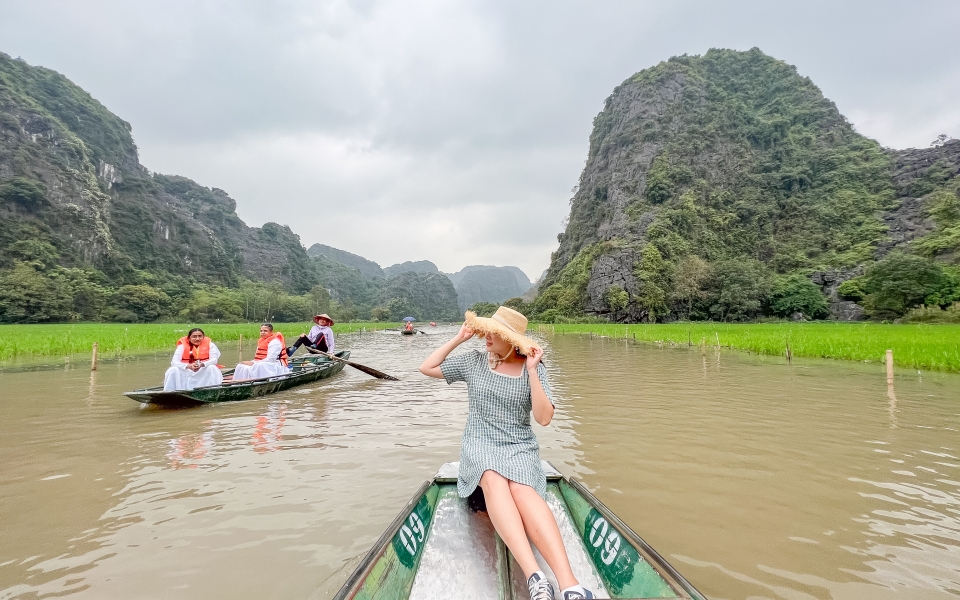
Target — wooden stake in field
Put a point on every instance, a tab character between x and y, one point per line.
889	367
93	357
240	348
789	353
718	340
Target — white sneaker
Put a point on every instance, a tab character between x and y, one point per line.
575	595
540	587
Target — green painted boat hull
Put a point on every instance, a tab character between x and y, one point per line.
304	370
443	546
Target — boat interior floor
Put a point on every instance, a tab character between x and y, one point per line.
465	558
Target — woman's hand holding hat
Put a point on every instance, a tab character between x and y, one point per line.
464	334
533	358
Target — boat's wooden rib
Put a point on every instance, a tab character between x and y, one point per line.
442	546
304	370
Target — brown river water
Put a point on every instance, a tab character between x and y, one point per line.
755	478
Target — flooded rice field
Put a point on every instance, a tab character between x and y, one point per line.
755	478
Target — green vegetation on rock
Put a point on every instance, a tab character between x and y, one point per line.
722	186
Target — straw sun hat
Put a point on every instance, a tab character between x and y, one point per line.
507	323
317	318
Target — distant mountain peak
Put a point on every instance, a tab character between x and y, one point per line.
420	266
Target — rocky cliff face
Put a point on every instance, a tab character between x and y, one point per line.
90	198
916	174
706	162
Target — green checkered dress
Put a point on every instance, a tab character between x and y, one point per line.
498	436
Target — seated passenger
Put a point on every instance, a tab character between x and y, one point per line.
194	363
270	359
320	336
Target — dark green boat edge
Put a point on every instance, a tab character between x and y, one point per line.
682	587
245	390
356	582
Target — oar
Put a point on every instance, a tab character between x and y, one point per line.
368	370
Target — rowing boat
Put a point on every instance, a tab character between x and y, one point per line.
302	370
407	331
444	546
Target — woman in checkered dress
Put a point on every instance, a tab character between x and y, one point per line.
499	451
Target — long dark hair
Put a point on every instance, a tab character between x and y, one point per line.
191	332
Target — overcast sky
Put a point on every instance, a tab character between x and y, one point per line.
444	130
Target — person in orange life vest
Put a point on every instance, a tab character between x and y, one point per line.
408	326
194	363
270	359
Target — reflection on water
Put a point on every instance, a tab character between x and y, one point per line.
756	478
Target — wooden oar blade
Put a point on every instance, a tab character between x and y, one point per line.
368	370
372	372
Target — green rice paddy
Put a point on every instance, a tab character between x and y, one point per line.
923	347
118	339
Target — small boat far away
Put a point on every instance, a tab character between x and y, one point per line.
444	546
302	370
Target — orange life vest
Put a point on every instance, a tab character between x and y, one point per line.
263	342
193	354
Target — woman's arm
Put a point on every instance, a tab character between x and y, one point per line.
431	366
542	407
214	355
273	351
177	360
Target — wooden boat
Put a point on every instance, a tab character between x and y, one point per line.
443	546
303	370
408	331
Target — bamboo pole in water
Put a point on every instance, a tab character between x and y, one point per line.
93	357
240	348
789	353
889	367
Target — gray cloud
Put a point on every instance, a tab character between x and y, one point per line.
452	131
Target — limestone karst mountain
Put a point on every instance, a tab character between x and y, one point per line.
368	269
79	210
487	283
726	186
419	266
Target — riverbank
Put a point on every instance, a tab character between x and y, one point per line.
115	339
923	347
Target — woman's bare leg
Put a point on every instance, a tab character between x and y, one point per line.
506	520
541	527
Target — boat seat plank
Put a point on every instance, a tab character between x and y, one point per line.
460	556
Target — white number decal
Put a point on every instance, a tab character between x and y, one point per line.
611	547
412	533
611	542
598	532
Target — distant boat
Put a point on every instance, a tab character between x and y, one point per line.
303	370
444	546
408	331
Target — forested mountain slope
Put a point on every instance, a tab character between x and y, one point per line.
82	217
726	186
367	268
